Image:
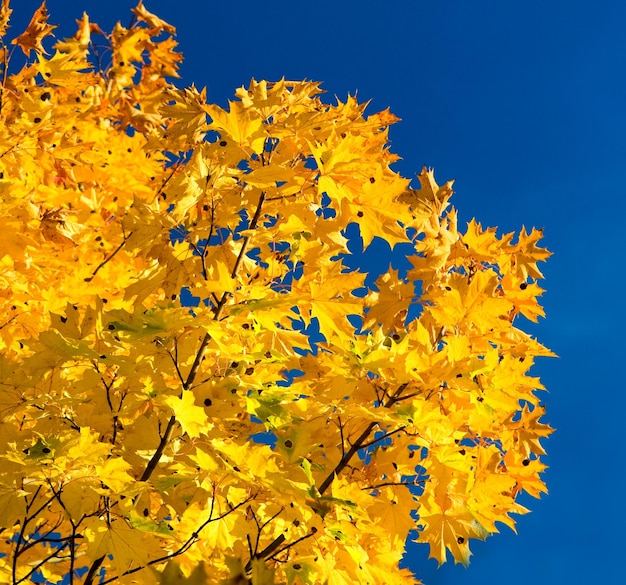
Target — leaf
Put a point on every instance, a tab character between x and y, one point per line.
389	306
148	525
192	418
12	506
527	253
448	528
238	124
261	574
476	302
375	209
187	112
156	24
5	15
128	548
44	448
331	299
62	70
430	196
525	430
36	31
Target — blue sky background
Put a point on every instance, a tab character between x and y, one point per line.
523	103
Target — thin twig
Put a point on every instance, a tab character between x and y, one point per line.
41	563
382	437
193	372
108	259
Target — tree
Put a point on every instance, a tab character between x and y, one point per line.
198	382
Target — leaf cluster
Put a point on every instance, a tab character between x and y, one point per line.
196	384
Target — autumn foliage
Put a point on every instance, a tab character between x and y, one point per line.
198	382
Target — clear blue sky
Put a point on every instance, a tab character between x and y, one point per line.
524	104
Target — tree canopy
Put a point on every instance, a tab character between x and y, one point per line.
199	382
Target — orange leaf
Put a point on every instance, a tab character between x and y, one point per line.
37	30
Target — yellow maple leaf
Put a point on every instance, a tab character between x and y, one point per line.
187	109
193	419
525	430
331	299
388	307
156	24
430	195
474	304
128	548
240	124
527	253
447	527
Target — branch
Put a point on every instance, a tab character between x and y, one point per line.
93	570
109	258
382	437
360	443
154	461
193	372
53	554
343	462
288	546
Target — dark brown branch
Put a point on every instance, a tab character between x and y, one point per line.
72	555
360	443
341	437
382	437
36	513
193	372
288	546
268	552
246	240
95	566
154	461
343	462
174	358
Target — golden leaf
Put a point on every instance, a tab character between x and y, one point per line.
5	15
36	31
